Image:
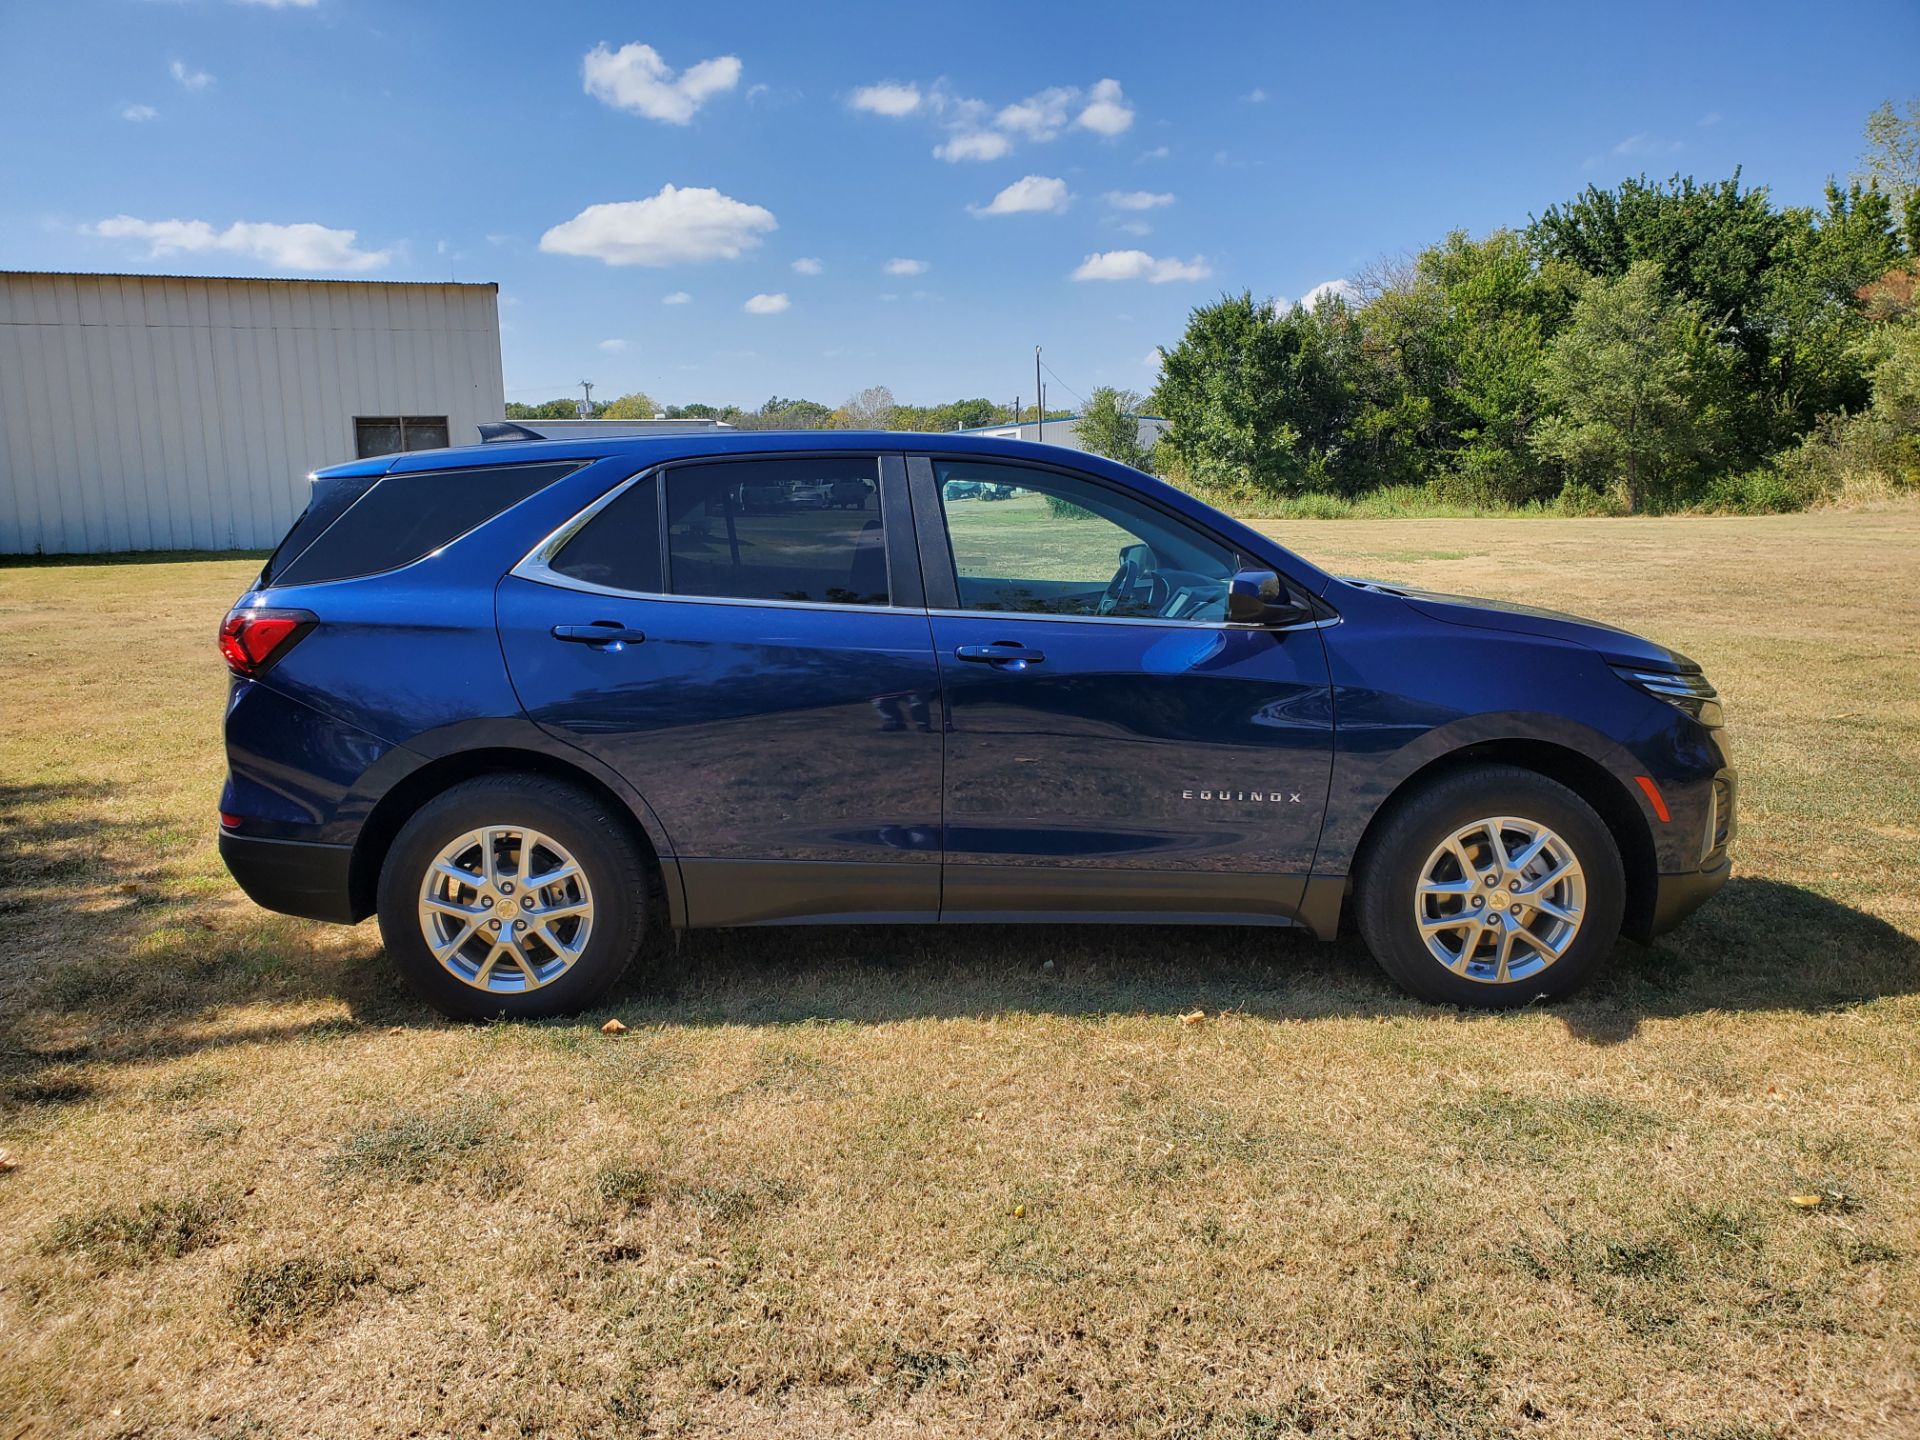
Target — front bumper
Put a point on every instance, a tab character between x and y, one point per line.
1677	896
294	877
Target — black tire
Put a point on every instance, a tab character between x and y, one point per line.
1389	876
600	841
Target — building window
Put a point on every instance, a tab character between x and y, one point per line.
390	434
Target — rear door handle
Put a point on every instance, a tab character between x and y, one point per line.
601	632
1002	655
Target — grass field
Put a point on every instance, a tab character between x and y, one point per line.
977	1182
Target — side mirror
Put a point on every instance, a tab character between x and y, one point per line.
1256	597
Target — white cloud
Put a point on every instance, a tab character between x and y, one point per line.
1032	195
285	247
766	304
1107	112
612	347
1255	96
1153	359
677	226
189	79
1138	265
1711	118
1158	152
1137	199
807	265
1133	227
1647	144
139	114
974	145
635	78
1039	117
906	267
1335	289
678	297
887	98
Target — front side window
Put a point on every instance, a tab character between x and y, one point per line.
794	530
1037	542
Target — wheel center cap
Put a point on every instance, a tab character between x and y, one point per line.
506	907
1501	899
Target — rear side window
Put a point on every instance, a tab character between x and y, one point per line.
404	517
619	547
795	530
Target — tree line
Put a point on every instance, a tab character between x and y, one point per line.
1657	345
873	408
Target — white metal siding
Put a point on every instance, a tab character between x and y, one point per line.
169	412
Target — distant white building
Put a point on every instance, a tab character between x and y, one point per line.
158	412
1067	432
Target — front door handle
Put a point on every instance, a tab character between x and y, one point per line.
609	633
1002	655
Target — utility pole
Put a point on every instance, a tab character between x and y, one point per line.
586	405
1040	397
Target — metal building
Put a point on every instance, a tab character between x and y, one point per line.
1065	431
161	412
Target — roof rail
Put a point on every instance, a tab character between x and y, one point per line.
491	430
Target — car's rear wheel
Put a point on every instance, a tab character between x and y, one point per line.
1491	887
513	895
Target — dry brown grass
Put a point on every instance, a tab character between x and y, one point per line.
911	1180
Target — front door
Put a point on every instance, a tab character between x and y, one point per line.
742	642
1114	747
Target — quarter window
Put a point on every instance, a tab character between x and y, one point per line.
620	547
1042	543
796	530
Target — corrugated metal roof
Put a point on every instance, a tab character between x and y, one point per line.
247	279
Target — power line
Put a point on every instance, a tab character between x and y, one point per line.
1064	386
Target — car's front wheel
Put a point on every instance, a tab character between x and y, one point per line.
513	895
1491	887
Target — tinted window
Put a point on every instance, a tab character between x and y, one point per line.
404	517
1042	543
327	501
619	547
777	530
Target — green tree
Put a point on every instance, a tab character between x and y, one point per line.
1891	161
1637	383
1258	401
1110	426
1453	343
637	405
561	409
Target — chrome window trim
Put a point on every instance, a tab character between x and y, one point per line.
537	566
1152	620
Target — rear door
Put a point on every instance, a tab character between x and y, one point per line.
743	641
1114	746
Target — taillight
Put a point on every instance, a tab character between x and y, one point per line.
252	640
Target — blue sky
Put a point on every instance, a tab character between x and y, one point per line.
1162	155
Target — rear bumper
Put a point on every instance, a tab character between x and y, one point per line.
1677	896
294	877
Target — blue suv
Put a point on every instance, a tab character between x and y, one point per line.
529	700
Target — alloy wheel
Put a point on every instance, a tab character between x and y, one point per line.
506	909
1500	900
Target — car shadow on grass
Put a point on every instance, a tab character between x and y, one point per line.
1759	945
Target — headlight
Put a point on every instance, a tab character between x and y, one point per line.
1690	693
